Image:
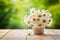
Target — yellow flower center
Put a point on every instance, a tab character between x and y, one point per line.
44	14
33	11
39	15
37	19
39	24
34	19
28	22
49	20
44	21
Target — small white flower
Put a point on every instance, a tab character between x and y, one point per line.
38	11
32	10
49	14
49	22
44	14
38	18
43	20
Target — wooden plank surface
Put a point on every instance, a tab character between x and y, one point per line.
22	34
57	34
3	32
46	36
15	35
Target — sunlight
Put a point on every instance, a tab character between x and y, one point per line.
14	1
13	11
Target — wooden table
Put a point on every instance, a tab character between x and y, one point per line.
22	34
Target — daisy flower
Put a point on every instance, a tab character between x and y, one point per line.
38	18
32	10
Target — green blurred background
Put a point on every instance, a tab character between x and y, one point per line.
12	12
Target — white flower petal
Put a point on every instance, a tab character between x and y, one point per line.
49	14
32	10
35	19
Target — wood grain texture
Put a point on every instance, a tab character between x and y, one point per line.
22	34
3	32
15	35
46	36
57	34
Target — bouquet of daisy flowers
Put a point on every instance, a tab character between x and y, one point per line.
38	19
